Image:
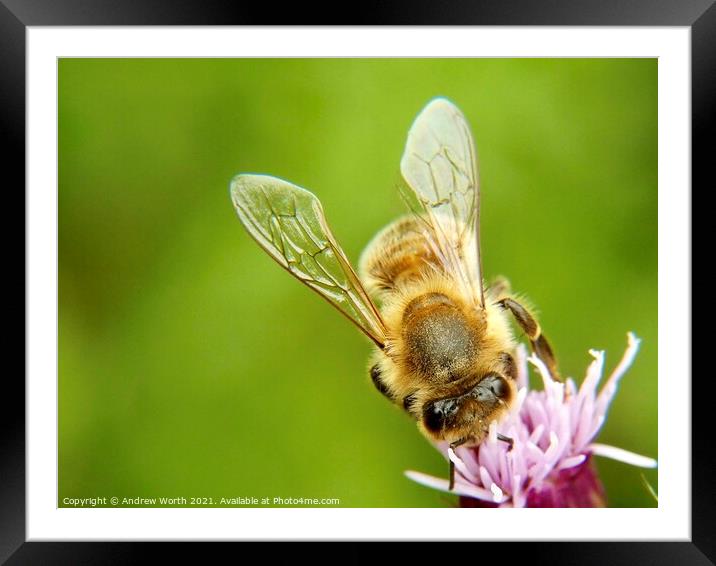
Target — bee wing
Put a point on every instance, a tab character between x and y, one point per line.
288	222
440	167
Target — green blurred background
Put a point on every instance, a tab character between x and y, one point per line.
191	365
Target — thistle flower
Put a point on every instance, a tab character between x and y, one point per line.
550	463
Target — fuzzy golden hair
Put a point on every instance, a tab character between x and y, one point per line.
438	344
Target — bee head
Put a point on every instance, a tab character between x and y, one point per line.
468	415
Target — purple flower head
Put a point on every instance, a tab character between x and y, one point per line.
549	464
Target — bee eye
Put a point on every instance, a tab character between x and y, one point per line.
499	387
435	413
492	386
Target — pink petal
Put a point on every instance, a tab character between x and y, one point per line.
572	461
622	455
543	371
521	365
460	466
518	500
537	434
485	476
610	387
461	488
497	495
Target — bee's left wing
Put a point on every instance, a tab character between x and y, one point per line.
440	167
288	222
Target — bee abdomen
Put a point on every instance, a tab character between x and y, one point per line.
398	254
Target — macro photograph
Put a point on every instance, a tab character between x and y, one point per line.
361	283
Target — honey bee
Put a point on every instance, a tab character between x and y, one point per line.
443	341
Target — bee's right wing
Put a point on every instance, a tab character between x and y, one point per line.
439	165
288	222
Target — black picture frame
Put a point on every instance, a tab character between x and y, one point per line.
17	15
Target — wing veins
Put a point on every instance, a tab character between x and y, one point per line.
447	192
292	237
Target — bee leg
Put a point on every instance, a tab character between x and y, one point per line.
510	442
539	343
454	445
